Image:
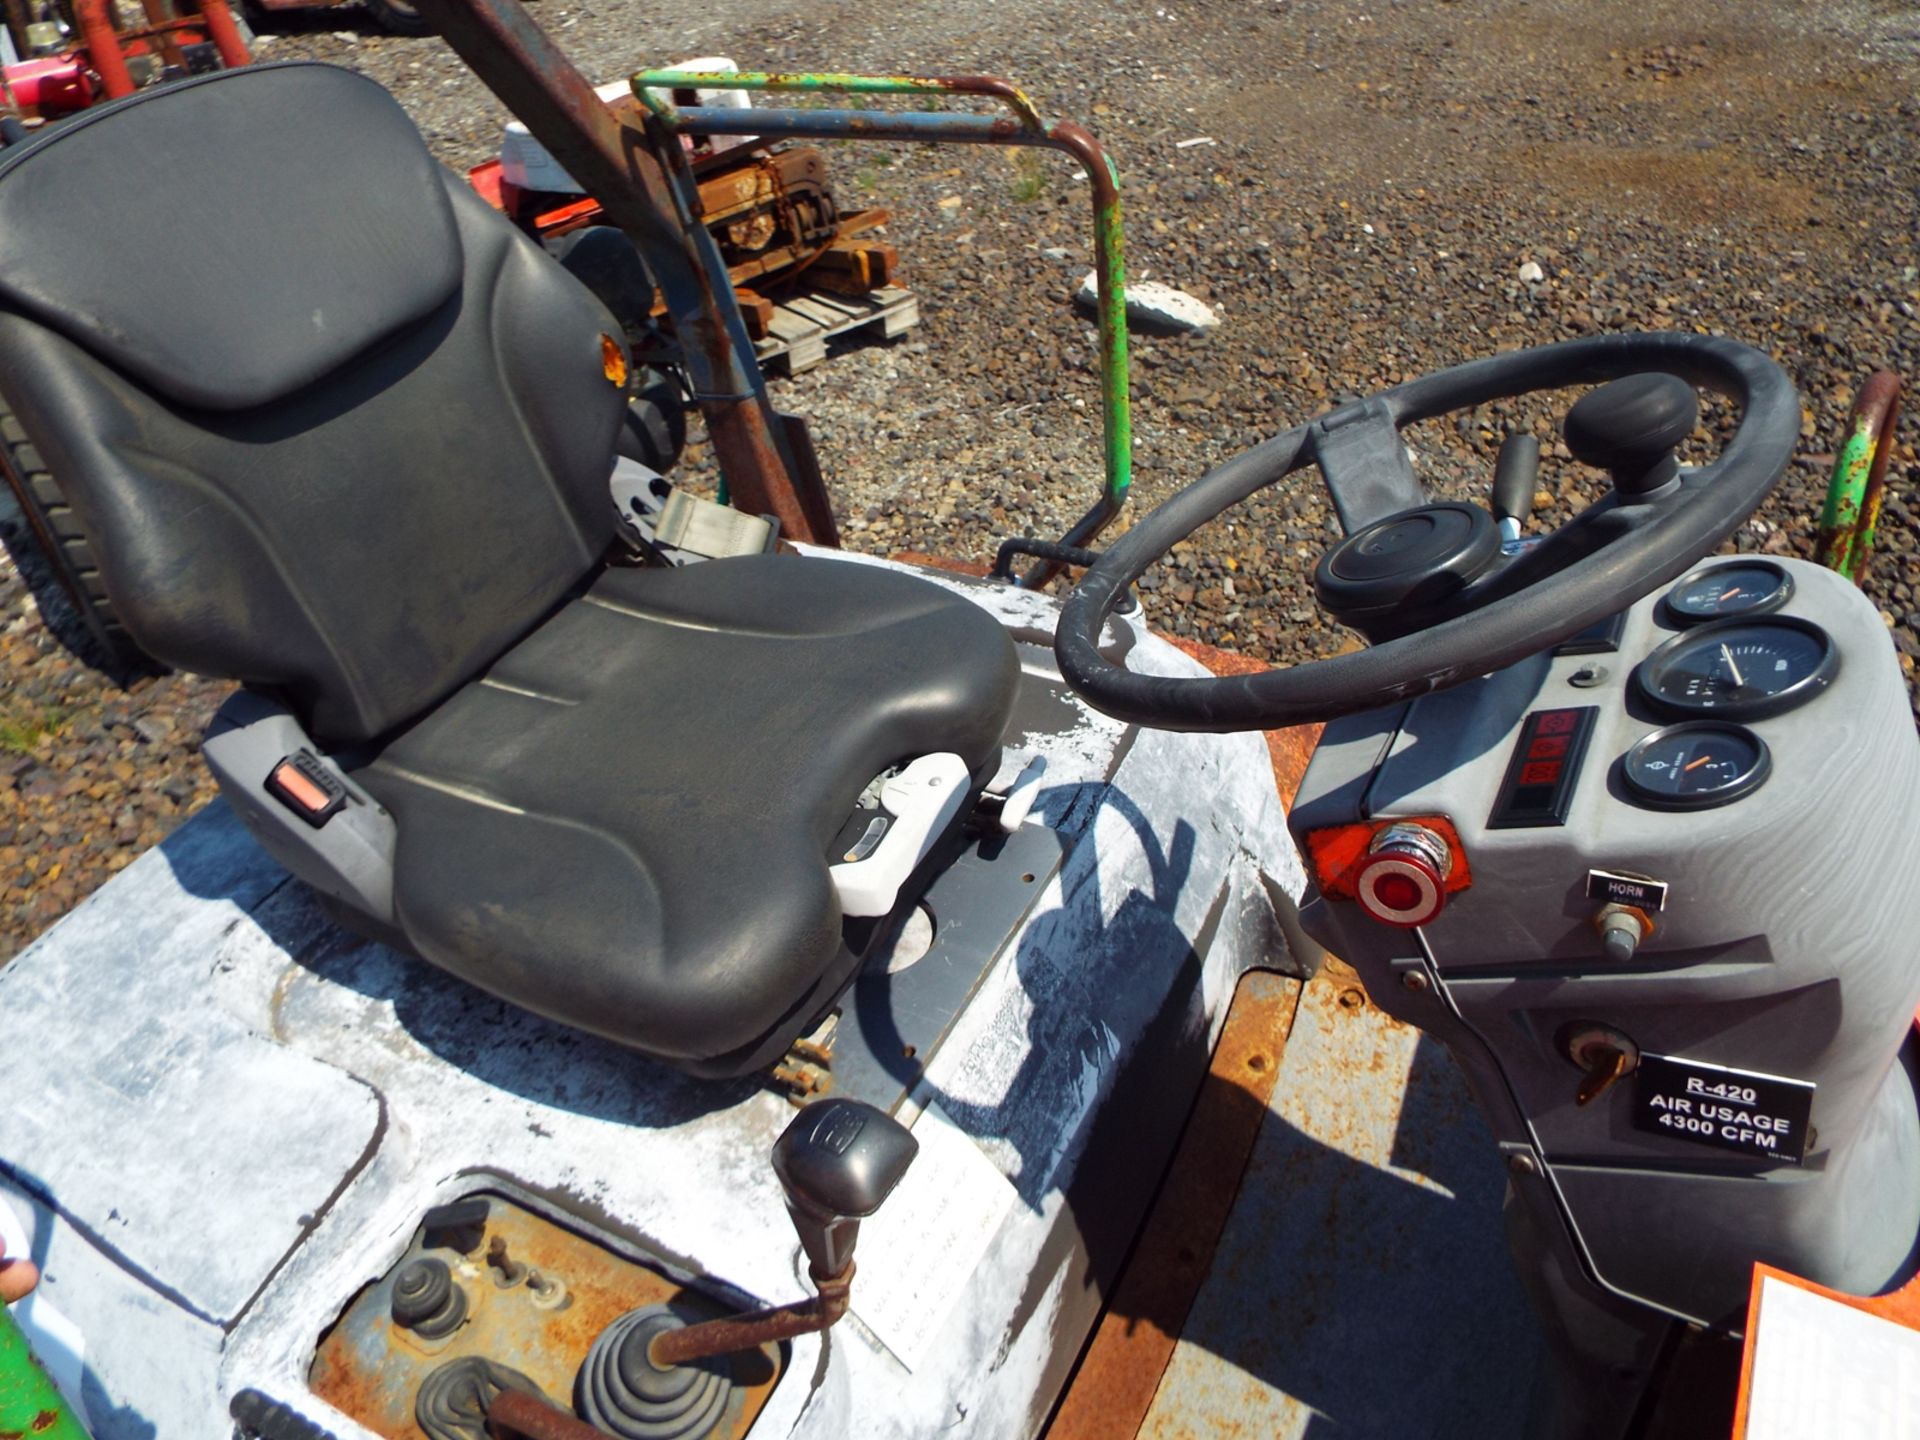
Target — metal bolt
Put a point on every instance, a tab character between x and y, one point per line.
1414	980
1587	676
1521	1163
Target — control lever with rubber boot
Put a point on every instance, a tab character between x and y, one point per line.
838	1161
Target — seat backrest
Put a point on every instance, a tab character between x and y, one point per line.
331	424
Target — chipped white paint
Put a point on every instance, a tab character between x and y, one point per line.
1157	909
921	1250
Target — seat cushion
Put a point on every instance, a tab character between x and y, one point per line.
624	824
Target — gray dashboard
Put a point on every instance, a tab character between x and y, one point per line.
1788	946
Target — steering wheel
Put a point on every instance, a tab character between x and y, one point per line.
1433	583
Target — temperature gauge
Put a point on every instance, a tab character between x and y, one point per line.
1695	766
1728	590
1739	669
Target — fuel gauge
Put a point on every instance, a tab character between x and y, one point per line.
1695	766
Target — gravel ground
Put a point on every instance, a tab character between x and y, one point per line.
1373	179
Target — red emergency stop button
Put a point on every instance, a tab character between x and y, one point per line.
1403	880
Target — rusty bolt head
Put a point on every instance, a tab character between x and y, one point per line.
1414	980
1521	1163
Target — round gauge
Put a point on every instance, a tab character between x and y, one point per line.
1729	589
1740	669
1695	766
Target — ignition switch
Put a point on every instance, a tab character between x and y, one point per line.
1403	880
1602	1052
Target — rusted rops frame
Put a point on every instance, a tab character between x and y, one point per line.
1859	480
1025	128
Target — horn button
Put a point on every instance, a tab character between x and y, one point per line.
1379	580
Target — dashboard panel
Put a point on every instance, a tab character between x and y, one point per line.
1692	835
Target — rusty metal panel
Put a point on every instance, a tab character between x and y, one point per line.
1114	1386
1362	1286
537	1295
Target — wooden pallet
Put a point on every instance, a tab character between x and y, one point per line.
797	335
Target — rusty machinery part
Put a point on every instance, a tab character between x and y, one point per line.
168	35
644	182
68	554
1859	480
622	1391
694	1344
1024	128
453	1399
515	1413
772	216
751	200
782	196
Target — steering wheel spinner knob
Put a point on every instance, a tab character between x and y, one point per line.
1403	880
1631	427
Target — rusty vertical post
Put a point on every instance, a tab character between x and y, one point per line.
1859	481
619	166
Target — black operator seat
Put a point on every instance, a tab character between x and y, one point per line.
336	430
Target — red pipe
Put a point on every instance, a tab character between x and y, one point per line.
103	46
224	33
103	41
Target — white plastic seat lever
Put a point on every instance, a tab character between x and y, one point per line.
923	798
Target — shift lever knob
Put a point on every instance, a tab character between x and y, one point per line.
1630	428
838	1161
1515	474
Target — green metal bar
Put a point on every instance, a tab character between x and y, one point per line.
1852	510
30	1405
1104	178
647	82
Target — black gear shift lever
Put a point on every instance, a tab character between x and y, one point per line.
838	1161
1630	427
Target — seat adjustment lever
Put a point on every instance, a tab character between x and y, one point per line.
923	799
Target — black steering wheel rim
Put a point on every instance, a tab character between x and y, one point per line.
1715	501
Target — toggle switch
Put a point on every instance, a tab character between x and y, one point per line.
1602	1054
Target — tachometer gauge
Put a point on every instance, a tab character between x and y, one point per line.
1729	589
1695	766
1739	669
